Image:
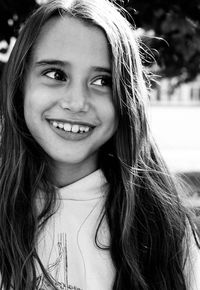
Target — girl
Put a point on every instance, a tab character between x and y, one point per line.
86	201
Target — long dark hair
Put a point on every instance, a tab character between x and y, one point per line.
147	222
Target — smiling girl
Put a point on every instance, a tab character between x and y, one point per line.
86	200
68	105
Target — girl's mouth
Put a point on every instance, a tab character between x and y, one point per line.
72	128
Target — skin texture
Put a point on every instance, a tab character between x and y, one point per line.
69	80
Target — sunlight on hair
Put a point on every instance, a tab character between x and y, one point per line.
41	2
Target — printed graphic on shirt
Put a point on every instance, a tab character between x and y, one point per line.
58	270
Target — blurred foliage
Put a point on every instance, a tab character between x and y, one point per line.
12	14
174	26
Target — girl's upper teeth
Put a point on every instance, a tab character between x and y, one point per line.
75	128
60	125
67	127
71	128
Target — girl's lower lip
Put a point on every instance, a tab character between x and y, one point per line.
70	136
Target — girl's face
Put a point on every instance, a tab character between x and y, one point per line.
68	104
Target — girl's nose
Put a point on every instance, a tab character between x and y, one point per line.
75	99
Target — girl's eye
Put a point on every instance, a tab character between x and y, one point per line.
103	81
56	74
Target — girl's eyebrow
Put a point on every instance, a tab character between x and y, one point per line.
101	69
61	63
44	62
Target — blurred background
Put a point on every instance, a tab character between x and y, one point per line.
170	31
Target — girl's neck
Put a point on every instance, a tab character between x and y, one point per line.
67	174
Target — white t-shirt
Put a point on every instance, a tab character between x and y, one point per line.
67	246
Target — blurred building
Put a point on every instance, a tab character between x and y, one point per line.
167	92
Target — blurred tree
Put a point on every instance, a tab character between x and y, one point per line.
12	14
174	23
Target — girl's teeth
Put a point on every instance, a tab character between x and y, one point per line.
60	125
75	128
55	124
67	127
82	129
71	128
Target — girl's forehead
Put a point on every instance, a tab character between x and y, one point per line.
67	38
